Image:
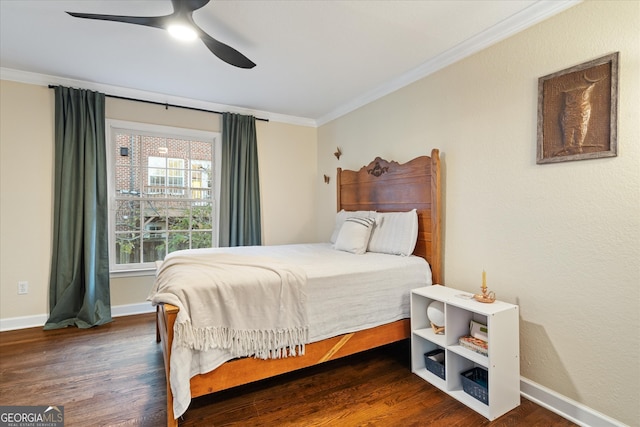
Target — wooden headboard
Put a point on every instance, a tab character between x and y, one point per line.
387	186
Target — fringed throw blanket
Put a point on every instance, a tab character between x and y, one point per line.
250	306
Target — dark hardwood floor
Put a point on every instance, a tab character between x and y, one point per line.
113	375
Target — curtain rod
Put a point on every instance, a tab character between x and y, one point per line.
164	104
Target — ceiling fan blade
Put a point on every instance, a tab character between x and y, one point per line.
226	53
149	21
188	5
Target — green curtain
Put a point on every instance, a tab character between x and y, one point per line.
239	184
79	283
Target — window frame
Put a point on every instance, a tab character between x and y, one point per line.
112	128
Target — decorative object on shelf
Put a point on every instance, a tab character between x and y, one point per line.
474	344
338	153
486	296
435	313
326	179
478	330
577	112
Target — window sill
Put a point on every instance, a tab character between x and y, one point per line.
115	274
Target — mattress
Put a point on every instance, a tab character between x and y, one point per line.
345	293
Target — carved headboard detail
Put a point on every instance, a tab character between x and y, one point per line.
378	170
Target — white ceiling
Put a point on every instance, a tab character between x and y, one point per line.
316	60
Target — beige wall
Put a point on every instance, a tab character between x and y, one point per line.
26	197
288	176
561	240
26	159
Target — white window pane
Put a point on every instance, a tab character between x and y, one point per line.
154	250
127	248
179	215
200	239
178	241
158	162
175	163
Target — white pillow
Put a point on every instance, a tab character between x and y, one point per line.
395	233
354	235
343	215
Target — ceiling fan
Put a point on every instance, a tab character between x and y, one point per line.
180	22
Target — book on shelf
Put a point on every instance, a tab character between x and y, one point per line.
474	344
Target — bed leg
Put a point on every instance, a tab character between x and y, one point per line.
171	421
157	323
165	319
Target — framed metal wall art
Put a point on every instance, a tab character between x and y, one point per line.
577	112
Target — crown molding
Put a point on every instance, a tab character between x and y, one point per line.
526	18
46	80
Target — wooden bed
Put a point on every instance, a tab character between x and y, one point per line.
382	186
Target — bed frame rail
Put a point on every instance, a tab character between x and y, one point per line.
247	370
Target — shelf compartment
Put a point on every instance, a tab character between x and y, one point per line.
419	347
428	334
458	364
471	402
476	358
420	323
457	322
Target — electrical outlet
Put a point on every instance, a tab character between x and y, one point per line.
23	288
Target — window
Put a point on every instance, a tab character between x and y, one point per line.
165	173
162	192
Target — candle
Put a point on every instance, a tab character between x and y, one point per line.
484	279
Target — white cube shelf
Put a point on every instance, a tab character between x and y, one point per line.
502	362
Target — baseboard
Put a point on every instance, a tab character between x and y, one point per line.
39	320
23	322
565	407
130	309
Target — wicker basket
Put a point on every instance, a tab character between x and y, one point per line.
432	366
475	382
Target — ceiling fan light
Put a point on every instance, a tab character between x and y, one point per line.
182	32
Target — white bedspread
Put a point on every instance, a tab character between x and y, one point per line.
345	293
248	305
